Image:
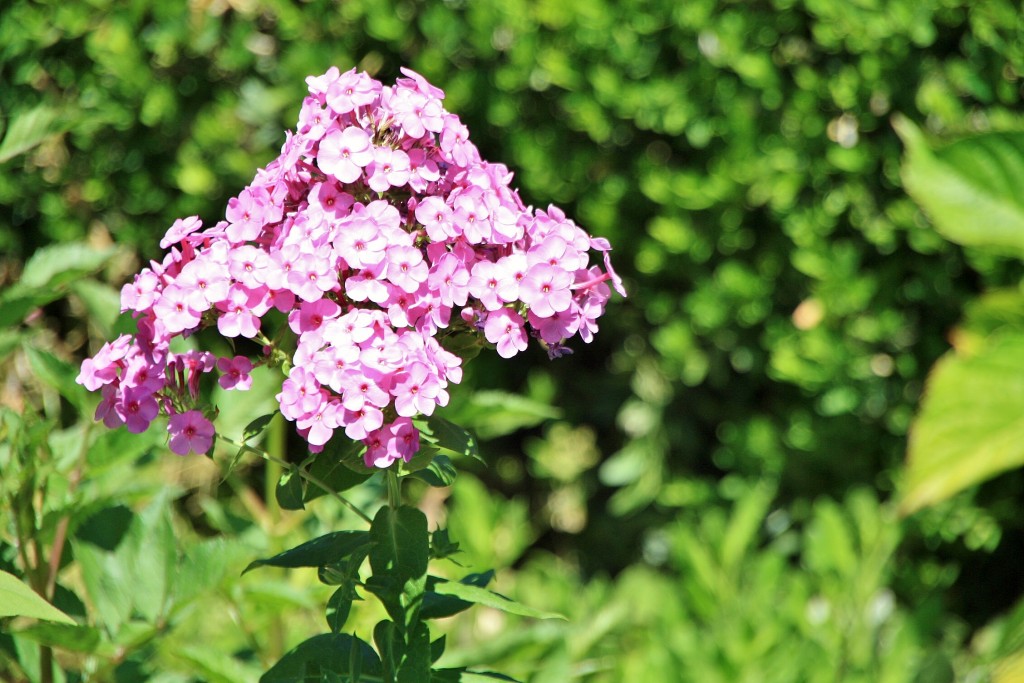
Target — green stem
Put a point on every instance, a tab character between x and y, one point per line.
315	481
394	489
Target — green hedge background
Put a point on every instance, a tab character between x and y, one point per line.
706	490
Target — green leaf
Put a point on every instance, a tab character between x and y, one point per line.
18	600
482	596
438	606
970	426
439	473
389	644
441	546
338	607
334	467
58	374
970	189
401	542
327	549
337	653
257	426
75	638
289	491
415	666
59	264
27	129
451	437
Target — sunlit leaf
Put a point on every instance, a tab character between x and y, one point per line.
17	599
970	426
970	189
482	596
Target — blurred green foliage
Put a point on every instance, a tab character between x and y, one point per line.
706	487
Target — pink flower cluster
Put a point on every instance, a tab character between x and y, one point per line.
376	232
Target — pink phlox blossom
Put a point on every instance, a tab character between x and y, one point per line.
505	328
320	424
205	281
345	153
235	373
450	279
545	289
352	90
484	282
300	394
406	267
416	390
106	365
471	216
312	315
240	311
137	408
248	265
366	285
190	432
110	397
141	293
312	274
174	309
359	242
438	219
179	230
389	168
556	327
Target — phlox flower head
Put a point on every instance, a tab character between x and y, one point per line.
376	221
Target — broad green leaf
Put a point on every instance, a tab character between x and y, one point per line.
27	129
482	596
439	473
63	263
18	600
328	549
970	189
338	653
451	437
289	491
970	426
401	542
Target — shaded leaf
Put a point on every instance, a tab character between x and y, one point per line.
257	426
289	491
327	549
334	468
439	473
337	653
401	542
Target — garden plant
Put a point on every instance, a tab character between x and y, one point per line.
790	454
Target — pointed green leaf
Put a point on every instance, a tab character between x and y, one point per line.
401	542
482	596
289	491
441	546
328	549
337	653
970	426
18	600
970	189
338	607
438	606
257	426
